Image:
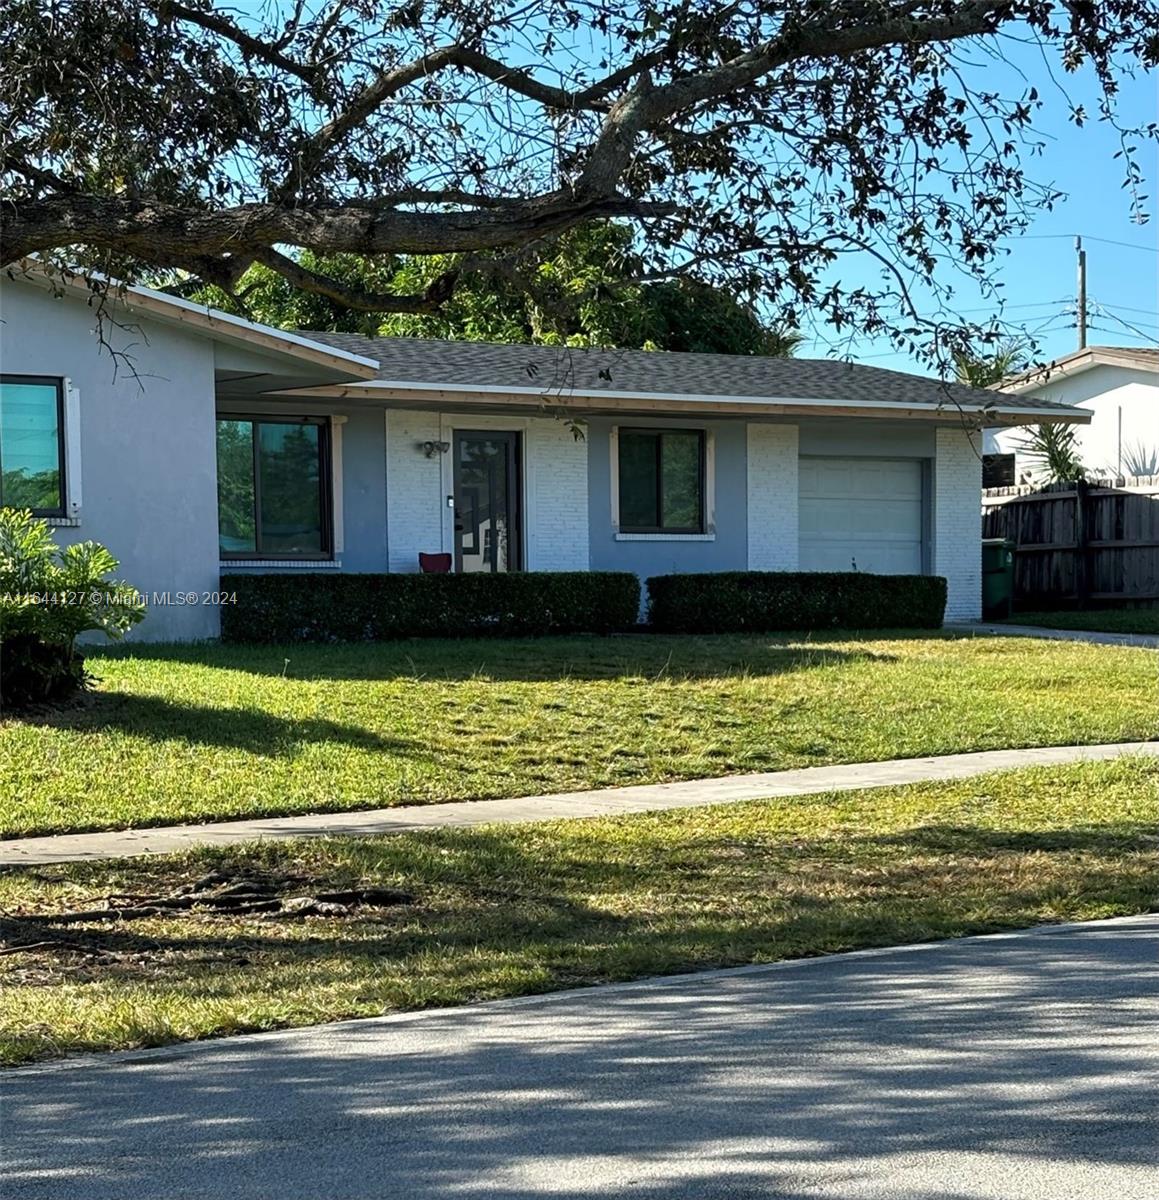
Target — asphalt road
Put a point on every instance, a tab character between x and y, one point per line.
1012	1067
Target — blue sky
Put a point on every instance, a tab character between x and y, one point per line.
1039	270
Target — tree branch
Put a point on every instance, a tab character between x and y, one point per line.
389	83
356	298
165	233
648	108
245	42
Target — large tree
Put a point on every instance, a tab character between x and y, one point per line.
750	143
576	296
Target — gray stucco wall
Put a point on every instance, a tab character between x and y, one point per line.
729	549
148	459
364	490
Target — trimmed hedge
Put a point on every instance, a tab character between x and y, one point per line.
759	601
309	607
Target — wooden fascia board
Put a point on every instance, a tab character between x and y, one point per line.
612	405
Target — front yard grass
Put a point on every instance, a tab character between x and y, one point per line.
184	733
513	910
1118	620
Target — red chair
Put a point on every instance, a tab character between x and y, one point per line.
434	564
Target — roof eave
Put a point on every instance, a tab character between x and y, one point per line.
1074	363
409	392
206	321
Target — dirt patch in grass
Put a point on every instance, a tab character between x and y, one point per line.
223	893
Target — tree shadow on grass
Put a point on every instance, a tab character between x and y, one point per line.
483	893
1019	1063
639	658
255	731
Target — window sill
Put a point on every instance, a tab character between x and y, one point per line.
293	564
665	537
62	522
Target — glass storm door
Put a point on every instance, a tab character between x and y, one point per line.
487	516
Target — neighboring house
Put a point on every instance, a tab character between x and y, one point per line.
210	444
1118	386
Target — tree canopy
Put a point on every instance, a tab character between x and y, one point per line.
748	143
575	297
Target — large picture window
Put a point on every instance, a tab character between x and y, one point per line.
32	444
661	480
273	484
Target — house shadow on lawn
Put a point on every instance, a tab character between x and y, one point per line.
642	657
255	731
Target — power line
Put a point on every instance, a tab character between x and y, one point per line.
1147	312
1013	307
1147	337
1038	237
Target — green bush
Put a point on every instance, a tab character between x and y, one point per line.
738	601
308	607
48	597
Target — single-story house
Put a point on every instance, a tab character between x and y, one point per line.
1117	385
194	443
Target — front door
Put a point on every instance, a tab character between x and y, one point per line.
487	509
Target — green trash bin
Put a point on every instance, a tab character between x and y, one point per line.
997	578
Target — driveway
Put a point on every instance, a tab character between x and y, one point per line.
1007	1067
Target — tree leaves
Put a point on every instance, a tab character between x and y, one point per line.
749	144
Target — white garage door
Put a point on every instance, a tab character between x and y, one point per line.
861	514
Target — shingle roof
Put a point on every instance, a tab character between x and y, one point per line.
588	372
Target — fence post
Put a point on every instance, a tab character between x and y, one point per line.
1082	562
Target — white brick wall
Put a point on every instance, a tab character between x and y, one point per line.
555	483
414	490
772	497
556	507
957	524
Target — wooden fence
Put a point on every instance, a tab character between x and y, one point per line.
1095	542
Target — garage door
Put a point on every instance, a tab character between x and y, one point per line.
861	513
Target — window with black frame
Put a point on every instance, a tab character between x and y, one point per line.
273	483
32	444
661	480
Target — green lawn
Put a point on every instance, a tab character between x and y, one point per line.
502	911
192	734
1119	620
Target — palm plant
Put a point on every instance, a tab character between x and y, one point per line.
985	370
1054	451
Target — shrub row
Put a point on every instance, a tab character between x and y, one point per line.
331	608
740	601
310	607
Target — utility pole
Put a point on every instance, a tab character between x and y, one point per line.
1082	293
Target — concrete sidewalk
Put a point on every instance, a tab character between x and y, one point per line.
1093	636
1013	1067
76	847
